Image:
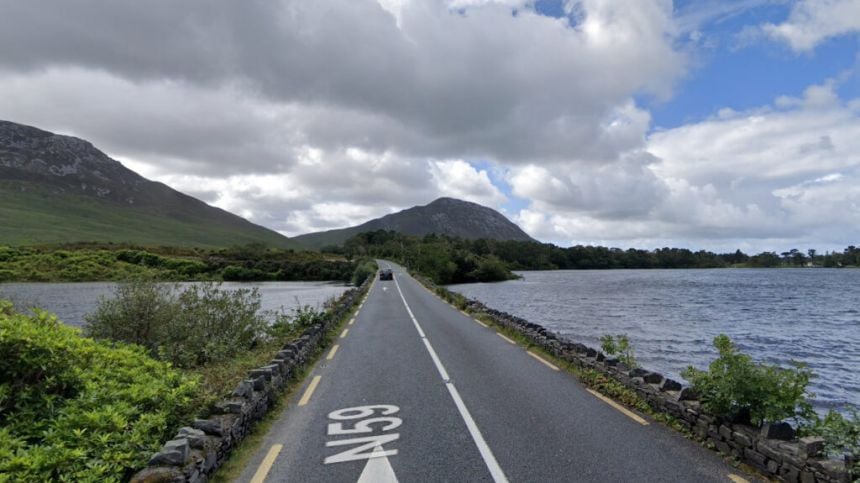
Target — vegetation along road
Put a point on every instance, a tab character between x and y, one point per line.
414	390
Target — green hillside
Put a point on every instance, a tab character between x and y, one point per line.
62	189
36	216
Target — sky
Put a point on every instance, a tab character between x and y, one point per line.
715	125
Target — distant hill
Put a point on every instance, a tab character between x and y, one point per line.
56	189
445	216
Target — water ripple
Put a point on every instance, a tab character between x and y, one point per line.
671	316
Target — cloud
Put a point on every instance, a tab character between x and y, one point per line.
459	179
814	21
441	83
775	177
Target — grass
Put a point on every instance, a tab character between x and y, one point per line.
37	216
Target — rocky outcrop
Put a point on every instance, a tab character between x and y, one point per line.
445	216
75	183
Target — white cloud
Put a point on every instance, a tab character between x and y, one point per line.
814	21
458	179
768	178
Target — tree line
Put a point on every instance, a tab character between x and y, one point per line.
455	260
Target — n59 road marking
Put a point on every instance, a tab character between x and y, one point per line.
368	447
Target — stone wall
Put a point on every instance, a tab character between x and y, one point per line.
773	449
200	449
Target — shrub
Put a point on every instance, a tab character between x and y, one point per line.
619	346
491	269
734	386
188	327
363	270
75	409
841	434
289	323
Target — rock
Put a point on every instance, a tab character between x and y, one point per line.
258	382
769	449
637	372
755	459
670	385
790	474
196	438
173	453
688	394
210	426
772	467
782	431
157	474
742	439
244	389
230	406
653	378
265	372
611	362
811	446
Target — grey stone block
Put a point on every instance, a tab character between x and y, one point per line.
742	439
244	389
670	385
653	378
782	431
173	453
210	426
196	438
811	446
159	474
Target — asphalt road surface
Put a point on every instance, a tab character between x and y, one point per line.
414	390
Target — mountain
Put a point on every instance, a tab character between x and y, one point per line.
56	189
445	216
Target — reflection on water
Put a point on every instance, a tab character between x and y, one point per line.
671	316
72	301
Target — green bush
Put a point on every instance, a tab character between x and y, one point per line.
734	386
75	409
841	434
364	270
619	346
290	323
188	326
491	269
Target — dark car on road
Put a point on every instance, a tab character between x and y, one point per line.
386	274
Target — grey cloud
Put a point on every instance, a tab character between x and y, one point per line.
484	83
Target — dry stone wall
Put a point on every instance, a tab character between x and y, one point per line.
773	449
202	447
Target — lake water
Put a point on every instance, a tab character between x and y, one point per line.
72	301
672	316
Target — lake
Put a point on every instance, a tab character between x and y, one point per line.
672	316
72	301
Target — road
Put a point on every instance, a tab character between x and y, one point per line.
414	390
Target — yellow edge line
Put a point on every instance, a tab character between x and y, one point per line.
480	323
543	361
738	479
266	465
352	321
332	352
343	334
310	391
630	414
508	340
